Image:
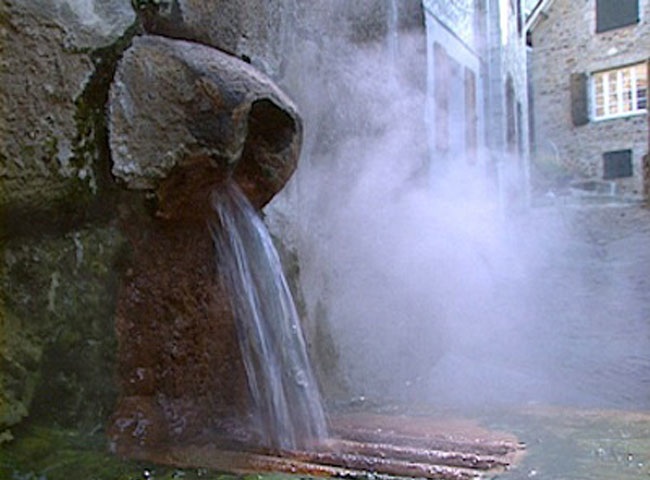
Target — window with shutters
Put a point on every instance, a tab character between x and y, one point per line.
612	14
620	92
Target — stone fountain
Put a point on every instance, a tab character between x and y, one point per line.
188	120
193	104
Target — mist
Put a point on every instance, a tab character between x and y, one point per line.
429	287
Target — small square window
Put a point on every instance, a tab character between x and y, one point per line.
617	164
612	14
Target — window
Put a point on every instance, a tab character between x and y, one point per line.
511	125
441	96
471	117
619	92
612	14
617	164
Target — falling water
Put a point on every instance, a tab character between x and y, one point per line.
288	414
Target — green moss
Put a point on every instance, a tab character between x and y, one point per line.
57	342
54	454
90	147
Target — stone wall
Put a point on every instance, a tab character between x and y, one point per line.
565	43
108	295
61	249
508	136
486	38
99	214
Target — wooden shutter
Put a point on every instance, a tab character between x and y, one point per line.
511	121
579	100
471	116
441	96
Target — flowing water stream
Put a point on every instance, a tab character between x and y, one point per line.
287	410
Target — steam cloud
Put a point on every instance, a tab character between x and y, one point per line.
430	291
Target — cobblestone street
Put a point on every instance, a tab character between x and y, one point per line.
590	289
566	316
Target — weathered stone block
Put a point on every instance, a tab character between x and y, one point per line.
180	370
48	154
250	29
182	106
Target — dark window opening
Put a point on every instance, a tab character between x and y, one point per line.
612	14
511	125
520	130
471	116
532	142
617	164
441	96
642	99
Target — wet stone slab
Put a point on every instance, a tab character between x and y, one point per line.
365	446
560	443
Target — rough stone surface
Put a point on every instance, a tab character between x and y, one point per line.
57	340
177	104
86	23
250	29
47	156
183	118
267	33
180	369
58	250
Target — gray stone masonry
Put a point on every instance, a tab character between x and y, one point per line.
565	43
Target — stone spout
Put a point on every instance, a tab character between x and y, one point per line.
183	116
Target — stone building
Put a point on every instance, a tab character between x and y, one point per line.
589	69
478	97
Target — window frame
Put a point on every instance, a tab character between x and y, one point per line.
621	95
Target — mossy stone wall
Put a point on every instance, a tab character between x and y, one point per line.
59	246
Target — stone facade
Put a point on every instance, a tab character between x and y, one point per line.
565	44
483	46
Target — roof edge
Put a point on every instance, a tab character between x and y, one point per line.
537	13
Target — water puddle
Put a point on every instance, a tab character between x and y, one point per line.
578	444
